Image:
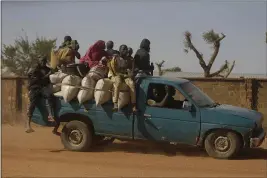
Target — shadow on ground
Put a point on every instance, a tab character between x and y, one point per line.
256	153
171	150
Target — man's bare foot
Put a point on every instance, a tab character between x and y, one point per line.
29	130
51	119
56	132
134	109
115	108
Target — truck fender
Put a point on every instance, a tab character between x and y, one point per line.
67	117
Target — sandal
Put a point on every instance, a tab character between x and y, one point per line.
56	132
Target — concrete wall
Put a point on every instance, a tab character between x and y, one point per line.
248	93
14	99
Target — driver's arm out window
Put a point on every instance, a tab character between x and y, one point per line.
157	97
177	101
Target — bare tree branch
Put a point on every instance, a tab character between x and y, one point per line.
217	45
220	76
211	38
190	45
223	68
230	70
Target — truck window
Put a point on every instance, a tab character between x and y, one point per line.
157	97
199	97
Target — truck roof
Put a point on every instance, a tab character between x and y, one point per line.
166	79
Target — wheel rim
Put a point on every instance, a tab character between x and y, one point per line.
222	144
75	137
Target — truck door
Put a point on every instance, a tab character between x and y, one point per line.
170	122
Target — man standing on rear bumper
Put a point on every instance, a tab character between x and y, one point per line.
39	85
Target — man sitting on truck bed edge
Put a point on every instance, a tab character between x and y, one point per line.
119	69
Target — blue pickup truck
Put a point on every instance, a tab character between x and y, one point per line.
193	119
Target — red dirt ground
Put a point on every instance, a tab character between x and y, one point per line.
41	154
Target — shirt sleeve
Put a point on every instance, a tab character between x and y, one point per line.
111	66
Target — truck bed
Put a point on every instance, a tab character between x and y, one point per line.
101	113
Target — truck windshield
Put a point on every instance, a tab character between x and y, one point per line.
199	97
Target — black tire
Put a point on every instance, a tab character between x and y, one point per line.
84	135
215	150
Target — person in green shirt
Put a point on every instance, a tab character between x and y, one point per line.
66	42
73	44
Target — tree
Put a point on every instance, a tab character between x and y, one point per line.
173	69
214	39
20	57
159	66
163	71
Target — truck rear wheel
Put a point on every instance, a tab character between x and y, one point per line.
222	144
77	136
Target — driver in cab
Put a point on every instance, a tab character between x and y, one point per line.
159	100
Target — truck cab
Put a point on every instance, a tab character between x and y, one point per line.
191	118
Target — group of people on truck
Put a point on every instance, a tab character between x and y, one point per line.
102	60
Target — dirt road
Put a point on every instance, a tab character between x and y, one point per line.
40	154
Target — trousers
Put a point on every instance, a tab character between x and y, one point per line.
117	81
35	94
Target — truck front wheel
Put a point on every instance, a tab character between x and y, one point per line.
77	136
222	144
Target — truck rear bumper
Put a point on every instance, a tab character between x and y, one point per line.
257	141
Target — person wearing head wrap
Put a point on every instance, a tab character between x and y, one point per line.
66	42
94	54
74	45
120	71
142	57
131	65
39	86
130	51
110	50
99	71
65	54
